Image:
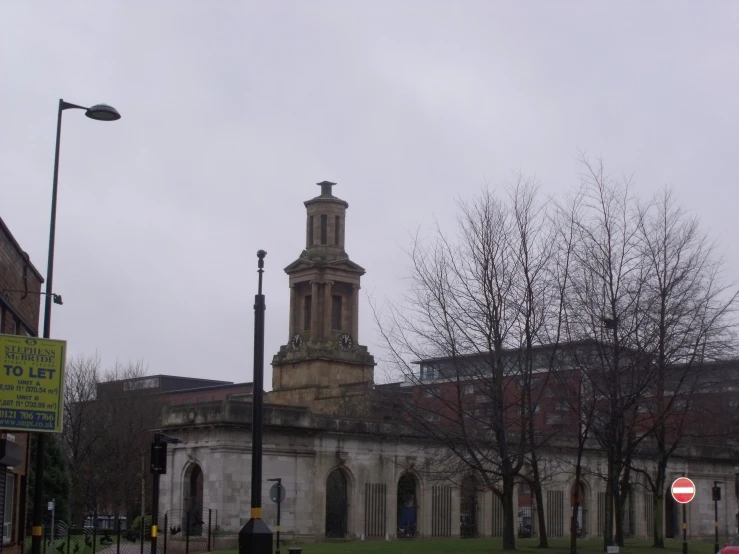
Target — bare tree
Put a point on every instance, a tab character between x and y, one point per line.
603	296
568	381
634	292
107	431
134	414
540	318
476	314
83	428
688	322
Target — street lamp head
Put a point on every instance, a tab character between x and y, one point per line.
103	112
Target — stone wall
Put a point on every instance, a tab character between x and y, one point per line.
303	449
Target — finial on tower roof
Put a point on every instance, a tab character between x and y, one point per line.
326	187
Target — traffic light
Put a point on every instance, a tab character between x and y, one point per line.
716	493
158	458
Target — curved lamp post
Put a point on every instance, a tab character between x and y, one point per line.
99	112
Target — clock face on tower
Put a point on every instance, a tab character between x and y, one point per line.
345	341
297	341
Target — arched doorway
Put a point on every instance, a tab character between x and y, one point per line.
468	507
193	500
337	504
407	507
578	497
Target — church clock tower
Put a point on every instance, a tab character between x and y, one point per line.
323	366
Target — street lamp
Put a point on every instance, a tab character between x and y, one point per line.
255	537
99	112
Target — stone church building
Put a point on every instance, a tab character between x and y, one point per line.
349	471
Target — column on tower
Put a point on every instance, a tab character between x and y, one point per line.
314	331
355	312
293	311
327	299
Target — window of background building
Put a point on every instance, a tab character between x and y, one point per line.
336	312
430	392
522	410
140	384
310	231
337	231
428	372
201	399
187	401
468	389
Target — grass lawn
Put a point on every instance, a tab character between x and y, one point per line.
486	546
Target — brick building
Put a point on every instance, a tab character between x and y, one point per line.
20	287
173	390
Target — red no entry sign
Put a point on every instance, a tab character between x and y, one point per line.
683	490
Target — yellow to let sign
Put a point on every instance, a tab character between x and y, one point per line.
31	383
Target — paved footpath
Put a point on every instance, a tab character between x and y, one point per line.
126	548
174	547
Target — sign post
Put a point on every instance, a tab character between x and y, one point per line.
32	389
277	495
52	509
683	491
716	495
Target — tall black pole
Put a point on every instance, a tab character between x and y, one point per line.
685	531
279	503
715	514
38	496
255	537
257	388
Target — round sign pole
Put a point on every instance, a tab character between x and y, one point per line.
683	491
277	494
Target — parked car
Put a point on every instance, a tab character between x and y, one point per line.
731	547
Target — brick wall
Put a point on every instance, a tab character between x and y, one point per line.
18	316
207	394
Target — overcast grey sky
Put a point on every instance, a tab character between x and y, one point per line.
233	110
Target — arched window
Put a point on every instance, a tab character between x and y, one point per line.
577	498
468	507
407	507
